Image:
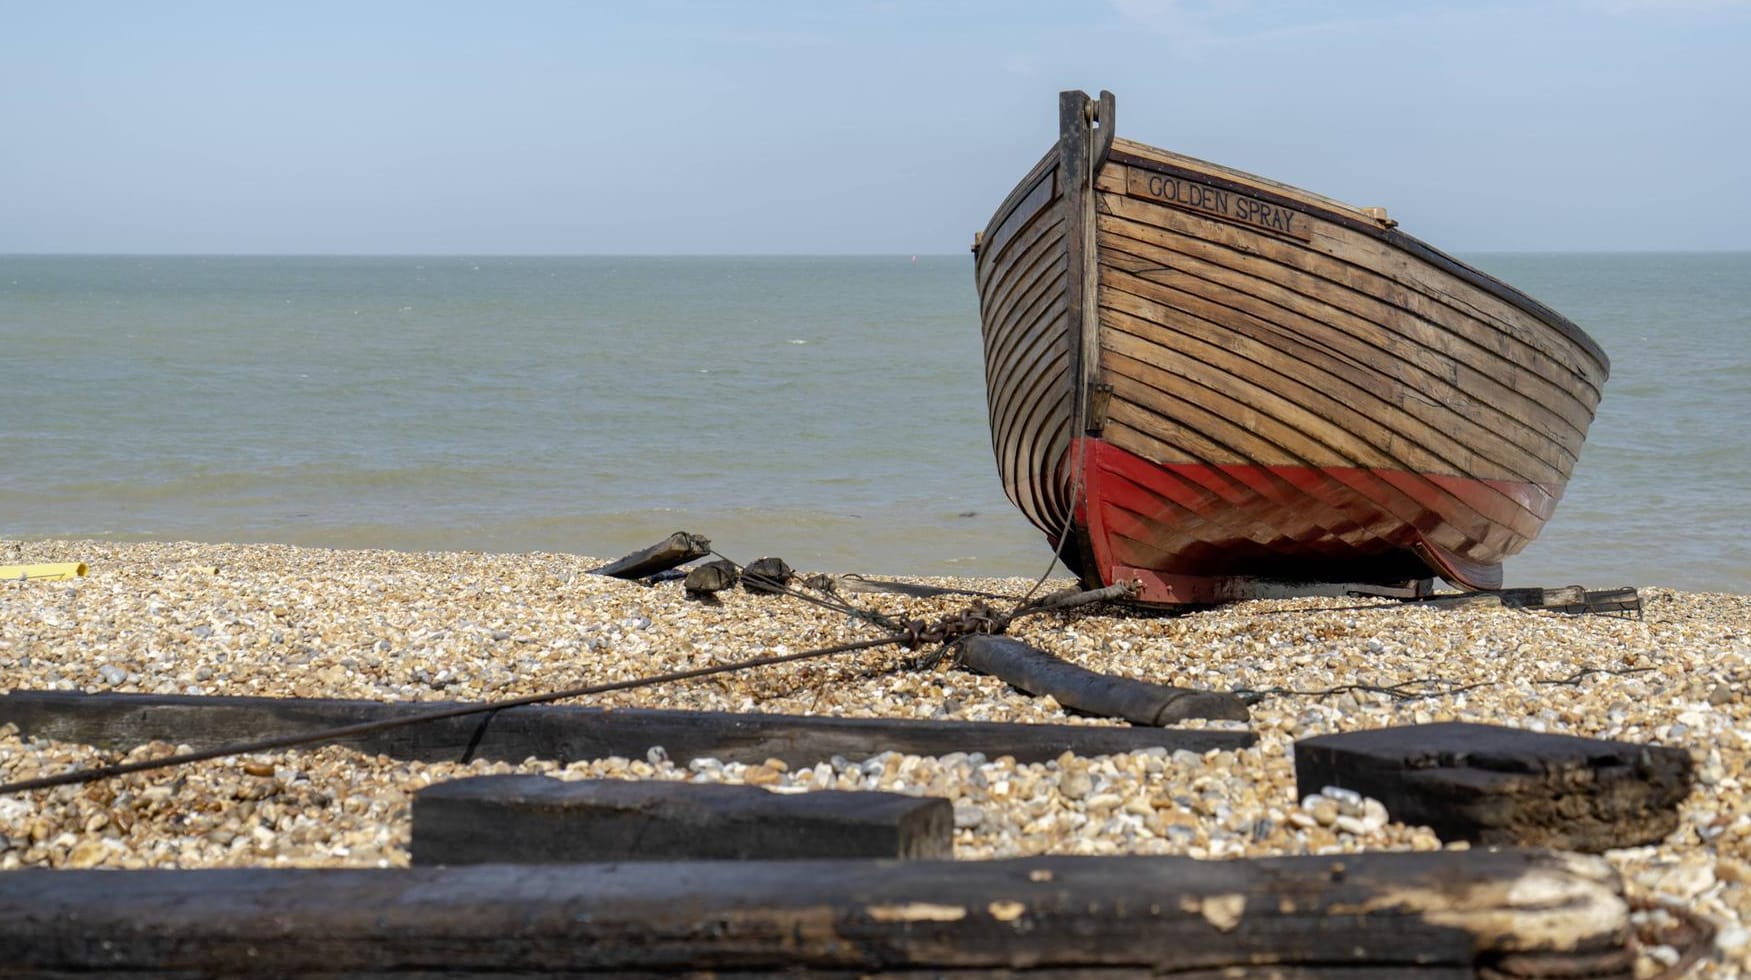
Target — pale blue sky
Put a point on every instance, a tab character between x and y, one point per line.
800	127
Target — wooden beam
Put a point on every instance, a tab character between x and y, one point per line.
676	549
1494	785
1139	702
529	819
567	732
1441	914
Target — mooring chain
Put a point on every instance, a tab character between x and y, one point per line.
975	620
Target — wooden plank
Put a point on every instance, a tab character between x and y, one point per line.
1036	200
1227	435
1493	348
530	819
1449	421
1494	785
1302	423
1350	282
1039	249
1078	688
1296	301
1439	914
1356	236
567	732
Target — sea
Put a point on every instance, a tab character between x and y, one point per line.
827	410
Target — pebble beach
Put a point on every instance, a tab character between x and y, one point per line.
269	620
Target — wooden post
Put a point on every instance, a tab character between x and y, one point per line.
1082	269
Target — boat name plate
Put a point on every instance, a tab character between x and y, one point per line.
1219	202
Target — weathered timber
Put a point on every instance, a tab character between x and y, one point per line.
566	732
1574	599
1495	785
711	578
1438	914
675	550
1624	600
1140	702
1462	600
530	819
1542	598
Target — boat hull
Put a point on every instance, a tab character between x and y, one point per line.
1222	386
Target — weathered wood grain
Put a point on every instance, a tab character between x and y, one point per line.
531	819
1494	785
1452	427
1363	915
1349	271
567	732
1296	301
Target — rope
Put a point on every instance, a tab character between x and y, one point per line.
977	618
80	776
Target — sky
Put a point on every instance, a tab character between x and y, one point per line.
754	127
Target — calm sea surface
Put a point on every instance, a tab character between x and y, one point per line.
829	410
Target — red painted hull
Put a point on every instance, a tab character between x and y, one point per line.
1197	533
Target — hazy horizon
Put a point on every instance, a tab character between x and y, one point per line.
879	128
749	255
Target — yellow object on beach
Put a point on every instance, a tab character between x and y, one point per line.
49	573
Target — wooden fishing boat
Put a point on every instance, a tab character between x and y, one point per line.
1223	386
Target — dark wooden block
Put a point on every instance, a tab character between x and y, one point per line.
1494	785
525	819
567	732
1439	914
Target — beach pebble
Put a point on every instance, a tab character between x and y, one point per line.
390	626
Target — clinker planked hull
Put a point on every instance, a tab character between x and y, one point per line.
1221	386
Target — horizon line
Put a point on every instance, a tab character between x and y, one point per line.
747	255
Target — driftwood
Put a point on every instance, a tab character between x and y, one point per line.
1140	702
566	732
1494	785
675	550
527	819
1440	914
